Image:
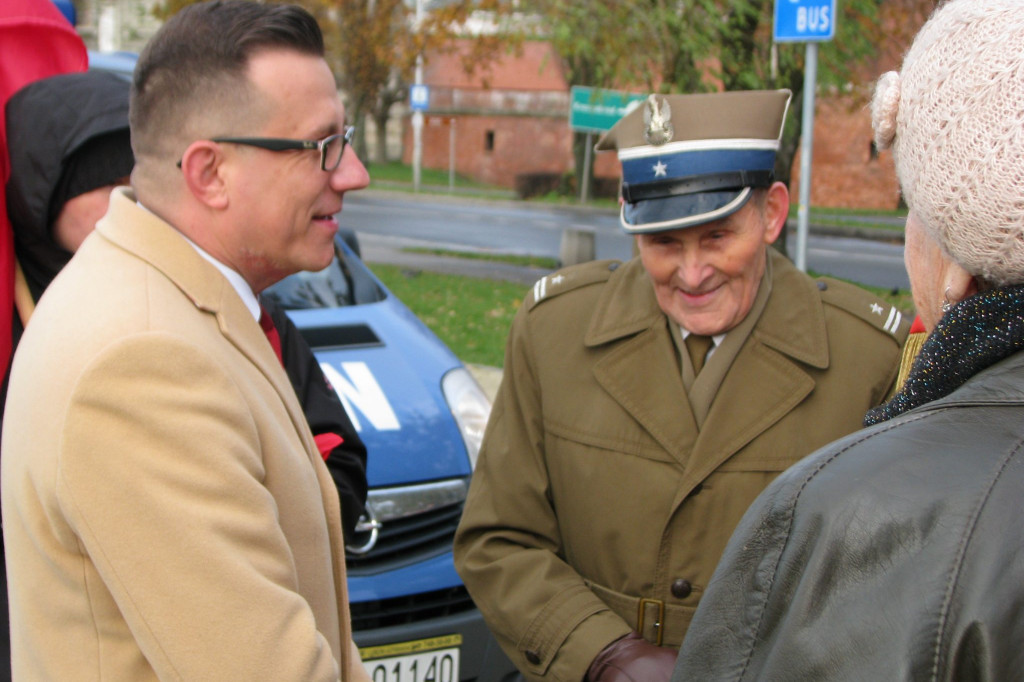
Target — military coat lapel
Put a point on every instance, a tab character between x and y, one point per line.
767	379
641	372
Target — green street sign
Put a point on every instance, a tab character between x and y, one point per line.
595	111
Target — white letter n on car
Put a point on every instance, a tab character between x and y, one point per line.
359	391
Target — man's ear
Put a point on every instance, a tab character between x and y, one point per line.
776	210
202	169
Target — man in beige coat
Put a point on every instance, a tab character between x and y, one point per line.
167	514
616	461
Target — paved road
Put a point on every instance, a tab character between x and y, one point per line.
386	222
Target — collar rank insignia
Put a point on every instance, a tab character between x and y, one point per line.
657	121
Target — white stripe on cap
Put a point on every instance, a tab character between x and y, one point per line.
696	146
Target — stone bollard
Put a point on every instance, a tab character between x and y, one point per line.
577	246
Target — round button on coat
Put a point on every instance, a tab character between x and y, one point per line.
533	657
681	588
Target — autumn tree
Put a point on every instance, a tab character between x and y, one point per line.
372	46
698	45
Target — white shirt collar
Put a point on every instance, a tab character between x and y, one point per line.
716	340
237	282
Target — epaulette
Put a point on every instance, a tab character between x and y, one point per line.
568	279
865	305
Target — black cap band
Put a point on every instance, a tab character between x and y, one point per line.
696	184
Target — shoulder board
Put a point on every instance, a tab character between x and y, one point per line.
568	279
864	305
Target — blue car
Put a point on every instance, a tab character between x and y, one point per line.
421	415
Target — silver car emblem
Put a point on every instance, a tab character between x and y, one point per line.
367	523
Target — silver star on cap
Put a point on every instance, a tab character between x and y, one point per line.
657	121
660	169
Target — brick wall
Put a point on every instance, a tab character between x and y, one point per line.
845	170
494	149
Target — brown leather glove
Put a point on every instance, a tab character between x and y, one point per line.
632	659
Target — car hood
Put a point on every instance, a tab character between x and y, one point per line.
387	367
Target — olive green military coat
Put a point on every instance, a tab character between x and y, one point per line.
598	506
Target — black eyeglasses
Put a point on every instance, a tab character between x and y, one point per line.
331	147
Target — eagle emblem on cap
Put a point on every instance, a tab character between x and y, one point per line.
657	121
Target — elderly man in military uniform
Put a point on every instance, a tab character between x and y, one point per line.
645	404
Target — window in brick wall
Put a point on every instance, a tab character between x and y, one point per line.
489	141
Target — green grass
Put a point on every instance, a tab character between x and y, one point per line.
471	315
853	217
525	261
394	175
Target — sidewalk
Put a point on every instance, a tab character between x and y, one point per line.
488	377
391	251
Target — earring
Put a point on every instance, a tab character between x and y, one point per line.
946	305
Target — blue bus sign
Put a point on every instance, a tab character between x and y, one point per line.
804	21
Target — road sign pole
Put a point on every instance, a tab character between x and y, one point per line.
417	116
451	156
806	153
808	21
585	184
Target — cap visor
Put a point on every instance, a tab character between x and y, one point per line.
686	210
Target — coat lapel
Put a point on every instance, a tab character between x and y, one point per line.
628	314
154	241
765	382
767	379
661	407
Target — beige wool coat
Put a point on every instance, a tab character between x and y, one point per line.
605	492
166	512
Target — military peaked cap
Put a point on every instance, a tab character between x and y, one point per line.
691	159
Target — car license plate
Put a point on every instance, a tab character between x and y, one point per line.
425	660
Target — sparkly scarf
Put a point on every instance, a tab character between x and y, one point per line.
976	333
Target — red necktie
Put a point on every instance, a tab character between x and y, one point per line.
325	442
271	331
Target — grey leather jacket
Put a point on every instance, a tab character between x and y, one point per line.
896	553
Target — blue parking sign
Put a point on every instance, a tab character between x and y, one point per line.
802	21
419	97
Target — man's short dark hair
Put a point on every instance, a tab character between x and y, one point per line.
197	61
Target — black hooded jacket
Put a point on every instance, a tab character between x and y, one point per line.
48	121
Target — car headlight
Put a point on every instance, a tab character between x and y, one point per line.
469	406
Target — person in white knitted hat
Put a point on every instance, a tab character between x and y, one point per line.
898	552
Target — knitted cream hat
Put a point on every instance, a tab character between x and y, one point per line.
954	117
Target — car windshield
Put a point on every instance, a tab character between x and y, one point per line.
345	282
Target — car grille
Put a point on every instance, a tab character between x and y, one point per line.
404	525
408	540
410	608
